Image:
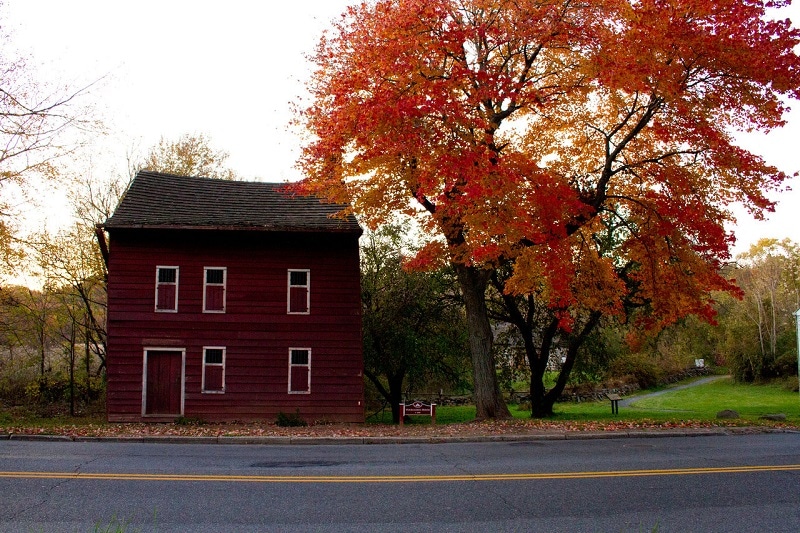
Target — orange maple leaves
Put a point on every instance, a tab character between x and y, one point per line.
515	131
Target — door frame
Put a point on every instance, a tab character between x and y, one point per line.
144	378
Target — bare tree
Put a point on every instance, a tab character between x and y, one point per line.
39	125
189	155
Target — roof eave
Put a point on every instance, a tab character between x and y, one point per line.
266	229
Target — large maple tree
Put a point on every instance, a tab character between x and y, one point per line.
584	149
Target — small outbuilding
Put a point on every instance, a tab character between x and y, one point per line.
231	300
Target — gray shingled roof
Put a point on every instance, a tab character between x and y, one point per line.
156	200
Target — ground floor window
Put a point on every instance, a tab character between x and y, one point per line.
299	370
214	369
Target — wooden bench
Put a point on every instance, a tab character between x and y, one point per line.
615	398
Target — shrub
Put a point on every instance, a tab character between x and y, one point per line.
785	365
291	420
13	390
188	421
47	389
55	388
791	383
643	369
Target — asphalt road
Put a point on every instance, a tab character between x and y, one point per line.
726	483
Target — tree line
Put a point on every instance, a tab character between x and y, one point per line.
415	331
415	335
54	329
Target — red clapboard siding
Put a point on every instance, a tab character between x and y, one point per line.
255	329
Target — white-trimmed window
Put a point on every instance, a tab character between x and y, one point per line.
214	369
214	280
167	289
299	370
299	293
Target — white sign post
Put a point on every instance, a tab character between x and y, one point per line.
797	318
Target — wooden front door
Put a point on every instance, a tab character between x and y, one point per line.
163	383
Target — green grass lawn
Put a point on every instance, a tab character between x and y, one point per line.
707	400
445	414
700	403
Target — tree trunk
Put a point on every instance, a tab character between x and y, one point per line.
543	406
88	354
489	402
396	395
540	407
42	352
71	354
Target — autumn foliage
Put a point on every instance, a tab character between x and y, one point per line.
588	146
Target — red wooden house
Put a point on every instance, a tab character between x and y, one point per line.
231	300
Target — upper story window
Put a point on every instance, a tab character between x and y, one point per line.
299	294
167	289
214	281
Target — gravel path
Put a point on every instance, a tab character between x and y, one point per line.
628	401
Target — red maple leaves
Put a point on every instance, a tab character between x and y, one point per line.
520	131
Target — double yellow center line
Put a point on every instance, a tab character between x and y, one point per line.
395	478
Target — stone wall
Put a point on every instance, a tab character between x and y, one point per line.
584	392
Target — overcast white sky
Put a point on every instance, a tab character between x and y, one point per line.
229	69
